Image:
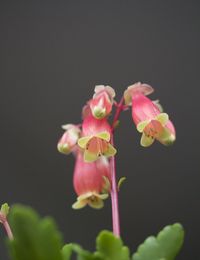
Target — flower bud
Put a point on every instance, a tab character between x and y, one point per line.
91	182
68	141
102	101
95	140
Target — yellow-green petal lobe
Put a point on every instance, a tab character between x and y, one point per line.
64	148
90	157
96	204
166	137
104	135
111	151
82	142
99	112
141	126
163	118
146	141
79	204
107	185
102	196
85	196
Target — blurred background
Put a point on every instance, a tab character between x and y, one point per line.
52	54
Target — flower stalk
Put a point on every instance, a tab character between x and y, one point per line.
8	230
114	190
6	225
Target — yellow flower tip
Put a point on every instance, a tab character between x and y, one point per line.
92	199
63	148
111	151
163	118
97	204
90	157
166	137
96	200
82	142
104	136
102	196
141	126
99	112
146	141
170	140
79	205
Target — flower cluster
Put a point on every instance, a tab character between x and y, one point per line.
90	142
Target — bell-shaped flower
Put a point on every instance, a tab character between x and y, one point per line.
91	182
102	101
150	121
95	140
68	141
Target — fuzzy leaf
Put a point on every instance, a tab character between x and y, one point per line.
110	247
34	238
163	247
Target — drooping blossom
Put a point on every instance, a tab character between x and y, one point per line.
102	101
95	140
146	114
91	182
68	141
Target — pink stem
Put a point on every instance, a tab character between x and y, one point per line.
120	108
8	230
114	190
6	225
114	197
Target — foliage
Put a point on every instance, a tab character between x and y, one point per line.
34	238
37	238
165	246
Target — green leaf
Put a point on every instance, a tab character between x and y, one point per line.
5	209
110	247
34	238
163	247
67	251
80	252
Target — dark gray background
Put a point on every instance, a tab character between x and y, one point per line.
52	54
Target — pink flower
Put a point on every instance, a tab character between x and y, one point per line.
102	101
95	140
91	182
68	141
149	119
